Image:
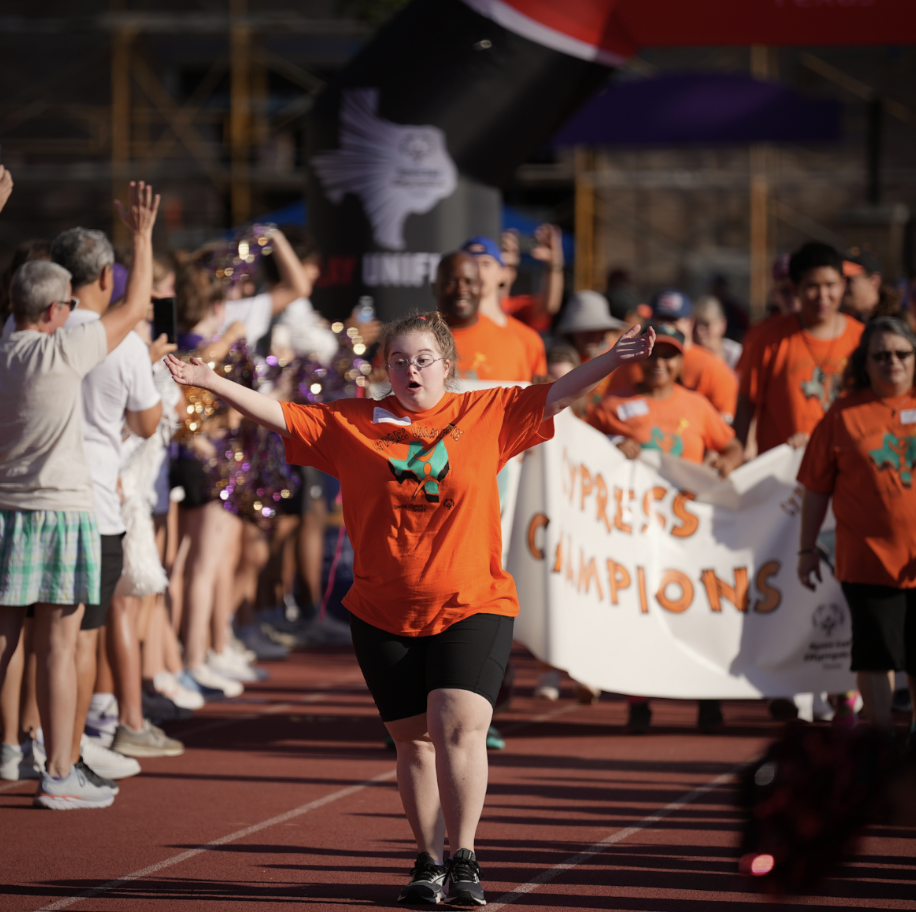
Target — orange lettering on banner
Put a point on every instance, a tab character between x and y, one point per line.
573	471
618	578
538	521
772	597
675	577
618	516
601	498
586	481
587	573
717	589
690	523
570	575
558	560
653	494
793	505
641	584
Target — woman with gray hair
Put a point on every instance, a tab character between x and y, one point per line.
50	551
863	456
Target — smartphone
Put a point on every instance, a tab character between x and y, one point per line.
165	318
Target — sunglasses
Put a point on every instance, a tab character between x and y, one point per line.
885	357
72	303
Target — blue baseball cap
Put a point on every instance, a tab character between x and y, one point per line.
483	246
671	304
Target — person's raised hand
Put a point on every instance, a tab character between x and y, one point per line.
549	247
809	563
6	186
634	344
161	347
142	206
195	373
629	447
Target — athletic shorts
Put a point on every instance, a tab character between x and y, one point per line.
883	627
401	671
112	565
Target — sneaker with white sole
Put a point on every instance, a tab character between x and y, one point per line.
95	778
230	665
73	791
464	874
247	655
207	677
169	686
548	685
106	762
150	741
17	763
426	882
102	718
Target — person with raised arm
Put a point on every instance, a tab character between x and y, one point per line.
51	554
431	606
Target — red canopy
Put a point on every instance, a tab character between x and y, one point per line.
612	30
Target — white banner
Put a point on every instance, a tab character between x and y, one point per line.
655	577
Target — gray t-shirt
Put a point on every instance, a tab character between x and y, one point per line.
42	465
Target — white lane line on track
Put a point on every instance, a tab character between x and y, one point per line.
223	840
619	836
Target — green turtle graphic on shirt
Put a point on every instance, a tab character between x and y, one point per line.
822	386
427	467
899	453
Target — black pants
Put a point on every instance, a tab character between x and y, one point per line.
401	671
883	627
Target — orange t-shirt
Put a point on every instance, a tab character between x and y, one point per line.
524	308
685	424
864	454
793	378
420	499
534	346
490	352
703	372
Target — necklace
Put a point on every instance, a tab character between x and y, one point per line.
820	364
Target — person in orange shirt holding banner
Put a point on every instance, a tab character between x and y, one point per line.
702	371
659	414
485	351
431	607
863	455
793	371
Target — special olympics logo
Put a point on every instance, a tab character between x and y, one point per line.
417	146
828	618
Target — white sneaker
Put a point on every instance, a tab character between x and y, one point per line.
73	791
105	762
17	764
167	684
240	649
548	686
102	719
230	665
207	677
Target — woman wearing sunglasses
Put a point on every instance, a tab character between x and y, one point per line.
863	455
660	414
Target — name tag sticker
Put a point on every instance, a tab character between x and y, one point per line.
908	416
632	408
383	416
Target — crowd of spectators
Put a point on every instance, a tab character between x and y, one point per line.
155	546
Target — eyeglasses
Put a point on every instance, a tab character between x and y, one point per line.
421	363
885	357
72	303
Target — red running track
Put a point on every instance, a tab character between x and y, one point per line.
286	798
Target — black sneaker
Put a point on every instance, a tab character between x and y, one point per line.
639	719
427	881
93	777
464	875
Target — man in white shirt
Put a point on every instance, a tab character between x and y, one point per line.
118	390
51	554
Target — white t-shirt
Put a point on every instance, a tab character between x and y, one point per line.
124	380
42	463
307	335
256	314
